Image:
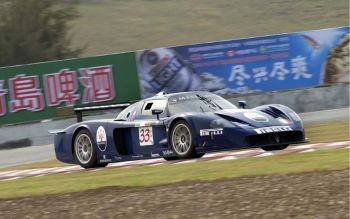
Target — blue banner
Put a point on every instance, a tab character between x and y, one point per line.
259	64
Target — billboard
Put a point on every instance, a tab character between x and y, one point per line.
259	64
39	91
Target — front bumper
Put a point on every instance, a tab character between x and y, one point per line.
235	138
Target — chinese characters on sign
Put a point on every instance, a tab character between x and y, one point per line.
98	83
279	71
25	94
59	88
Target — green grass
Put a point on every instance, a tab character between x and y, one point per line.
163	174
42	164
328	131
109	26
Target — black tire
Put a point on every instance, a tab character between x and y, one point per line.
85	150
275	147
199	155
181	140
101	165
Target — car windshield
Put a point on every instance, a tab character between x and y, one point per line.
197	103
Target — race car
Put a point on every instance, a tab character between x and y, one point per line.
178	126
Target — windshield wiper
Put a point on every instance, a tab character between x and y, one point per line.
208	101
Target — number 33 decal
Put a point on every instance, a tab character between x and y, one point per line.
145	136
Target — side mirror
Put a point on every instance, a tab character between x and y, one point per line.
157	112
242	104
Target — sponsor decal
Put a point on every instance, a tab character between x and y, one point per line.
101	138
167	152
145	136
137	156
273	129
105	159
256	117
207	132
155	155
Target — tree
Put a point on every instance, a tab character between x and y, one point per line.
35	31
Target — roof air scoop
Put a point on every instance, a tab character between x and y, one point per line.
162	93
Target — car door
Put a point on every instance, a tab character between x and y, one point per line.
150	131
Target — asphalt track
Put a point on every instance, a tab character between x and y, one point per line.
227	155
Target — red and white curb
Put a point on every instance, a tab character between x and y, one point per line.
226	155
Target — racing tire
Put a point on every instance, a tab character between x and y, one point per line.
181	140
85	151
101	165
199	155
275	147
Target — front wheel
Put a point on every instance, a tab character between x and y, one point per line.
84	150
275	147
181	140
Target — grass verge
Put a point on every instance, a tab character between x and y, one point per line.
164	174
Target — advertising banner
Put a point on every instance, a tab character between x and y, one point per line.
259	64
45	88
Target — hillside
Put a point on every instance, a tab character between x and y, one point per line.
109	26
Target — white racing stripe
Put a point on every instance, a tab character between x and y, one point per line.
309	150
343	143
150	161
265	154
40	171
16	174
308	146
242	152
120	164
7	172
65	169
227	158
214	154
186	161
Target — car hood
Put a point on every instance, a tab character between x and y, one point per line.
251	117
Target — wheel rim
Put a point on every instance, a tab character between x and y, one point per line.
83	148
181	139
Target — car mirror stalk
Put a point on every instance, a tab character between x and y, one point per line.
157	112
242	104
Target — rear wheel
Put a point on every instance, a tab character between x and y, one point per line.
275	147
84	150
181	140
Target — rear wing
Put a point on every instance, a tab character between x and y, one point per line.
79	110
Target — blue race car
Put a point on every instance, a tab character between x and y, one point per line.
178	126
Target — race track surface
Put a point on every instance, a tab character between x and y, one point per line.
227	155
319	194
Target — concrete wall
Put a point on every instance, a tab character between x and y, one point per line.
306	100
